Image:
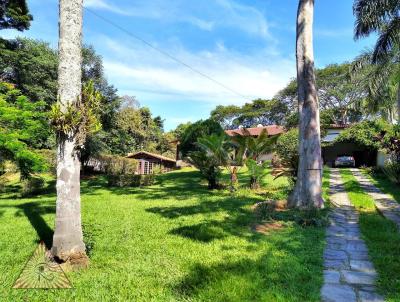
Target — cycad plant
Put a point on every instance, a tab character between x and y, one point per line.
209	168
211	156
257	172
252	148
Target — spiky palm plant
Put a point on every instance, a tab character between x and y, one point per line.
212	154
253	148
381	17
381	83
224	152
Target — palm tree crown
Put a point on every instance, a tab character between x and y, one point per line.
381	17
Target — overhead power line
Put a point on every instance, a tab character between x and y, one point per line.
164	53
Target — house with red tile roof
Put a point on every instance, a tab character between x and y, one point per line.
256	131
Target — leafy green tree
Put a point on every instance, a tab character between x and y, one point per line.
32	66
340	95
23	127
265	112
166	146
93	70
196	130
226	115
14	14
180	130
135	130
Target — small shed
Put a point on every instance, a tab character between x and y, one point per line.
148	162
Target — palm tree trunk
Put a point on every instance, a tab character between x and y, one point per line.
68	239
308	189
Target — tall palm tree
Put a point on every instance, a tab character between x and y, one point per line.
381	83
68	239
383	18
308	190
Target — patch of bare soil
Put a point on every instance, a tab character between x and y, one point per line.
75	262
267	227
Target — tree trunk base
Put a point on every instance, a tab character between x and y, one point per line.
297	200
75	261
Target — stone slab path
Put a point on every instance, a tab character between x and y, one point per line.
383	202
348	274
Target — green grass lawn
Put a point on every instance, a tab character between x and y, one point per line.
385	185
381	236
174	241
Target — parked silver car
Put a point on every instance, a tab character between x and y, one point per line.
345	161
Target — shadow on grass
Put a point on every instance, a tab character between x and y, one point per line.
33	211
178	185
237	218
383	241
387	186
291	272
204	232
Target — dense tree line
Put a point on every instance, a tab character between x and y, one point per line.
31	67
345	93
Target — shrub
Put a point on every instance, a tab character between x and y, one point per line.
116	165
129	180
264	210
392	171
367	134
288	155
120	170
3	183
147	180
32	186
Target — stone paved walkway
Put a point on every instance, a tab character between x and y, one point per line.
349	275
383	202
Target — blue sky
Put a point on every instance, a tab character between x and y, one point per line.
248	45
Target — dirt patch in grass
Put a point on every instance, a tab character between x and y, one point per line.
268	227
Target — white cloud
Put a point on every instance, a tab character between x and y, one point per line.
102	4
206	15
254	75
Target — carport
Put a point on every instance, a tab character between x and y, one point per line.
362	155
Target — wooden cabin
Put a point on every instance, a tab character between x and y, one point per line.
149	162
